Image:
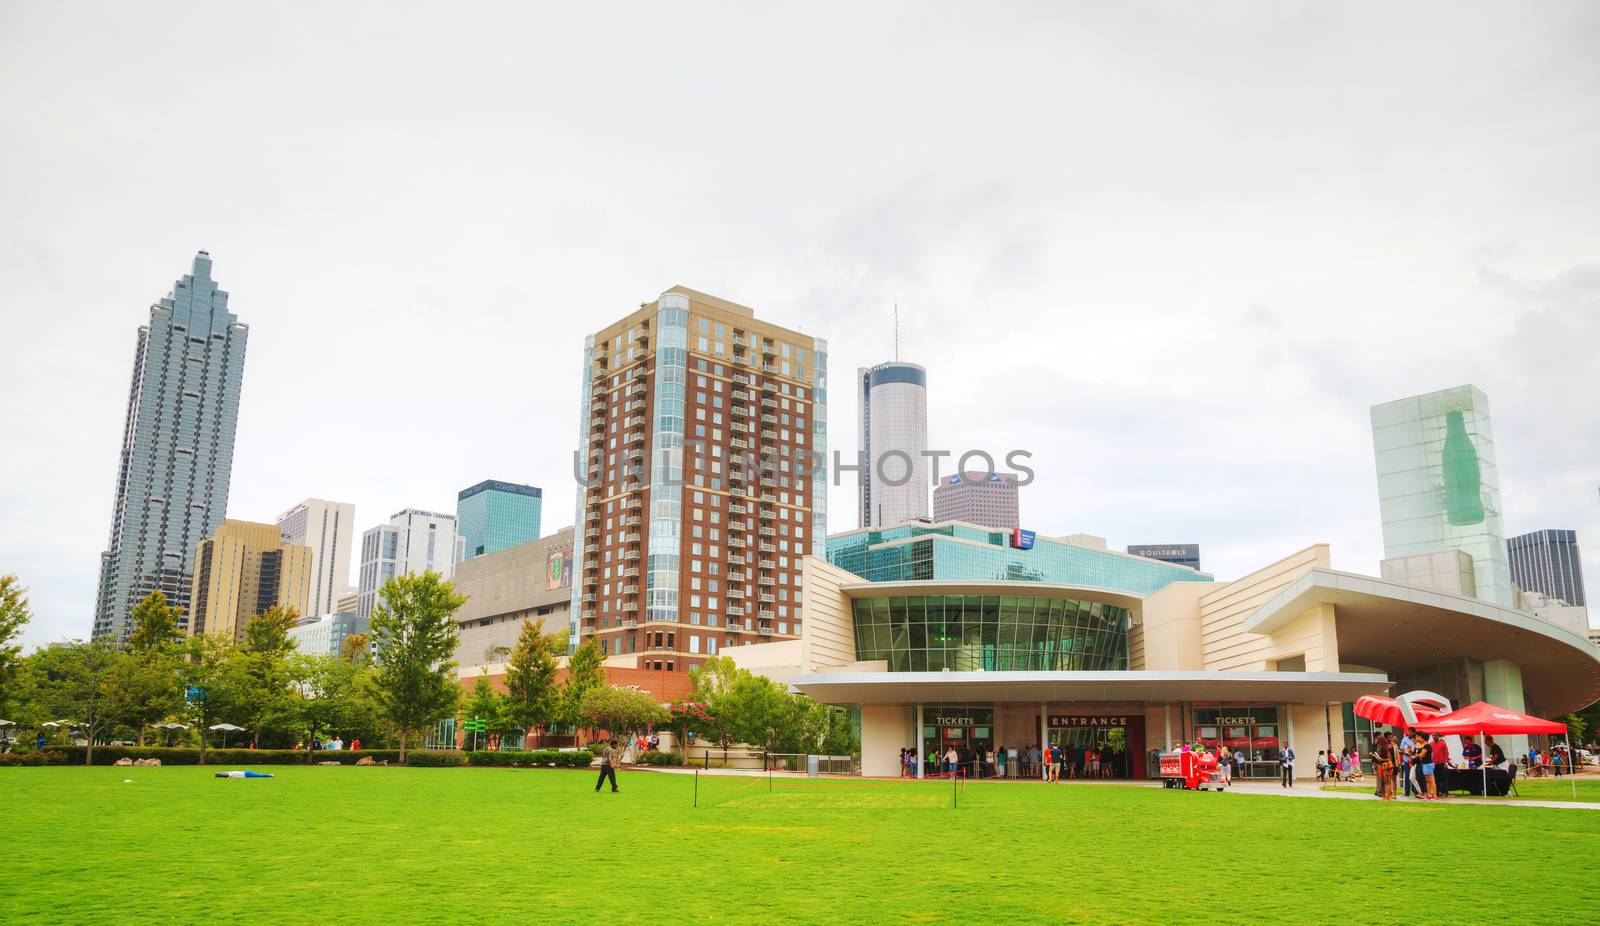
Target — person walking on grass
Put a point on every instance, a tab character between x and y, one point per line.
609	760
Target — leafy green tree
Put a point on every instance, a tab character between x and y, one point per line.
585	673
487	705
414	628
77	683
621	711
155	625
684	717
714	682
265	701
532	699
14	613
336	696
209	676
147	683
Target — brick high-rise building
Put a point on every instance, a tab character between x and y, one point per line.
704	440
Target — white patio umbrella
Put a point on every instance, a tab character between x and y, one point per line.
224	729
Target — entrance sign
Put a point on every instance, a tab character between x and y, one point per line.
1087	721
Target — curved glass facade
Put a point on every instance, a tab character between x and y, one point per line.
932	633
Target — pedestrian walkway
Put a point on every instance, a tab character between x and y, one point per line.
1303	789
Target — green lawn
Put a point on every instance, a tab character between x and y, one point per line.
537	846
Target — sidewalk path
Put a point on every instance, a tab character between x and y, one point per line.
1313	790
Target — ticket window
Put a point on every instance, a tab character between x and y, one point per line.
969	730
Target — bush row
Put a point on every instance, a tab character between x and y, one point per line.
108	755
10	759
537	758
660	758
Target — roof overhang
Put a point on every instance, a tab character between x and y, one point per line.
1035	687
1396	627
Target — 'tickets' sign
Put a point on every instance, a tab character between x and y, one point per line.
1088	721
955	721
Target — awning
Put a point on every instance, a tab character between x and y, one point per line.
1396	628
1033	687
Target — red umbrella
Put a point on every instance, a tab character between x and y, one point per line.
1379	709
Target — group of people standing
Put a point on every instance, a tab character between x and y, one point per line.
1412	763
1054	762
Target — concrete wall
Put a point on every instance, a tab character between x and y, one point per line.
885	730
1168	637
502	589
1226	646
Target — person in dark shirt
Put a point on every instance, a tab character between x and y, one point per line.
1471	752
1497	756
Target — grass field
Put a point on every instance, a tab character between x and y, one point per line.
504	845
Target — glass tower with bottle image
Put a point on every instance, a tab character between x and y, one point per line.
1438	488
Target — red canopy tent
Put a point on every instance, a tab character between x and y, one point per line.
1380	709
1482	717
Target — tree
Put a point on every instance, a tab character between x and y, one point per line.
414	628
532	698
584	674
76	682
488	706
354	648
684	717
621	711
14	612
336	695
208	673
146	684
714	682
265	701
155	626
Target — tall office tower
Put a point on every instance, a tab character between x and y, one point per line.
413	542
1438	488
1179	554
984	499
494	516
705	433
1547	562
329	529
243	570
177	448
893	430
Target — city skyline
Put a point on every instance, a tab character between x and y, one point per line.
1167	384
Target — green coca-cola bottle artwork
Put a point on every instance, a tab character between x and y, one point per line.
1463	502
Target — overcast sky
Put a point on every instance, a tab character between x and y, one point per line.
1175	251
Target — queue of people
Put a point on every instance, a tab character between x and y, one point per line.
1053	762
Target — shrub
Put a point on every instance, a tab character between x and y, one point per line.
436	758
10	759
108	755
537	758
660	758
596	749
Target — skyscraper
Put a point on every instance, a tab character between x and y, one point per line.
243	570
893	431
1438	487
704	432
329	529
1547	562
413	542
494	516
177	448
984	499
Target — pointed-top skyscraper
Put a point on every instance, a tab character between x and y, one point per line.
177	448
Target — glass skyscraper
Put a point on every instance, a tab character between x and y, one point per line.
1547	562
493	516
177	448
1438	487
